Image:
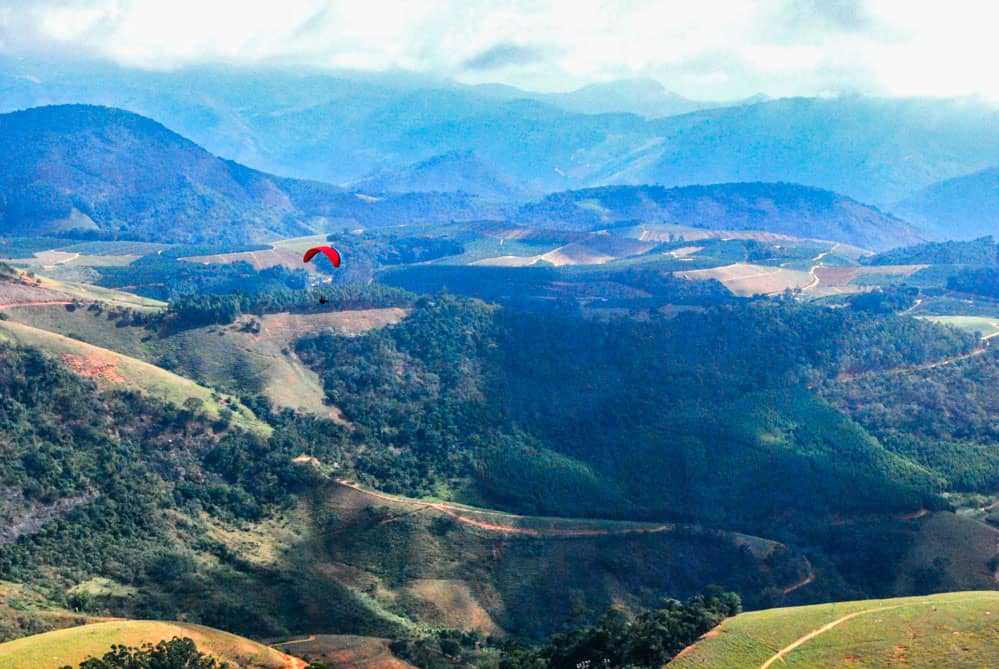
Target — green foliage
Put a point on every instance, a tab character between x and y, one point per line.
167	278
942	418
190	311
650	640
524	402
884	300
983	281
981	251
537	288
176	653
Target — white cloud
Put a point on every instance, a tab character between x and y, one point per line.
706	49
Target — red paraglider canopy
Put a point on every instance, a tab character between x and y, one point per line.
329	251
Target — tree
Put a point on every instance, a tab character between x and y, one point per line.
176	653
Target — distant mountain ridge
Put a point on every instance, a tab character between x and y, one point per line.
123	175
452	172
961	208
791	209
643	97
339	127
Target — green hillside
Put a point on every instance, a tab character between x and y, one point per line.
955	630
112	369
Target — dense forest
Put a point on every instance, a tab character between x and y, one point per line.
526	405
981	251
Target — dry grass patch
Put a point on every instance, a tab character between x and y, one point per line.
449	603
346	651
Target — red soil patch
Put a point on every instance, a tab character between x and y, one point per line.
94	365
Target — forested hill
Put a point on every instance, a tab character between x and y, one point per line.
529	406
785	208
118	174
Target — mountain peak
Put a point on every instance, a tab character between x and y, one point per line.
461	170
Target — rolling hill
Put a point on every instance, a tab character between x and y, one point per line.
111	173
783	208
961	208
71	646
954	630
114	172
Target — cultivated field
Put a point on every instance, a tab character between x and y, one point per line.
75	644
749	279
259	259
953	630
286	252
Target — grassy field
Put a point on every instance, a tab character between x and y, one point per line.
114	298
75	644
109	369
952	630
985	326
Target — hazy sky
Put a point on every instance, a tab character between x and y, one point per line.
718	49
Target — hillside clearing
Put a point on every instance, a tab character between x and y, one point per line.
346	651
986	327
268	354
260	260
112	297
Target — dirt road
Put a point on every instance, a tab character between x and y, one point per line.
36	304
917	368
779	655
459	513
811	272
809	577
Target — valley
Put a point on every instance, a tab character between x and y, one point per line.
608	378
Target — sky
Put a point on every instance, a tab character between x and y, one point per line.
702	49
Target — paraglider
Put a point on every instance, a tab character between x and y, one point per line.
328	251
